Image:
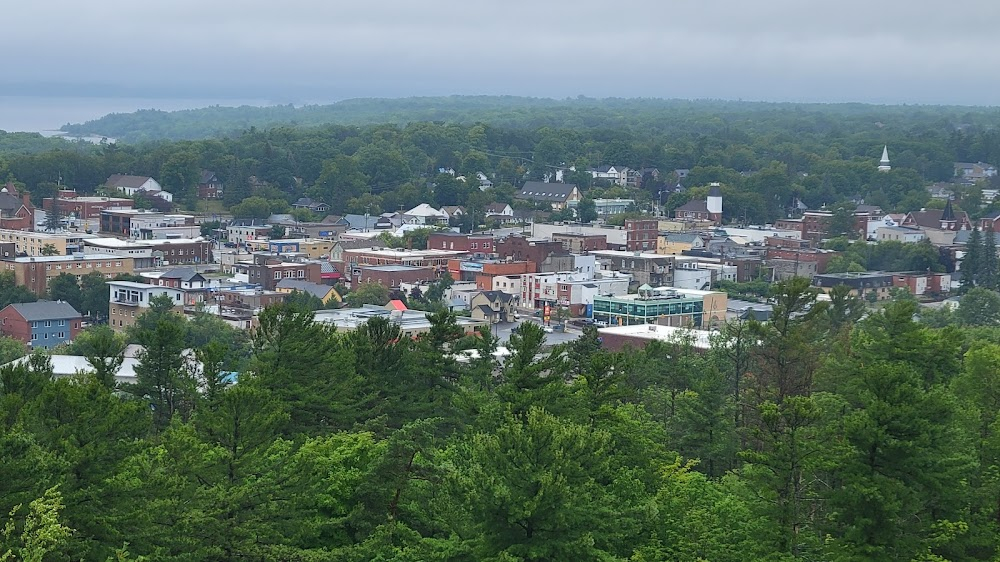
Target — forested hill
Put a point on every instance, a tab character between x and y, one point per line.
659	115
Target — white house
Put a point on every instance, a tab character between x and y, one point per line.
618	175
130	185
424	214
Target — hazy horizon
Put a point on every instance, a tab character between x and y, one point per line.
896	52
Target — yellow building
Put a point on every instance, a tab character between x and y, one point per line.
674	244
31	243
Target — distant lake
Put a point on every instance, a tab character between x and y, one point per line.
47	115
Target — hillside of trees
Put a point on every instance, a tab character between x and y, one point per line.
765	155
639	114
821	435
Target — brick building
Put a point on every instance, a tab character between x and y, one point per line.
483	272
790	249
641	235
36	272
392	276
472	243
520	248
267	270
16	211
578	243
69	202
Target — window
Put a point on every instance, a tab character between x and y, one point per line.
34	337
62	335
277	275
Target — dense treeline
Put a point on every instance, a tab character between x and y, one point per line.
820	435
765	155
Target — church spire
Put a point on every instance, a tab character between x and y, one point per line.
883	165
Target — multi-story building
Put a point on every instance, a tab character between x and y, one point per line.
645	268
42	324
904	234
31	243
128	300
641	235
411	323
183	278
436	259
475	244
664	306
580	243
36	272
153	253
209	186
68	202
267	270
793	250
861	284
921	283
240	233
676	243
16	211
539	289
144	224
482	272
520	248
313	248
579	296
392	276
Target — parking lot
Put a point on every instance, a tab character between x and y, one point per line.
503	331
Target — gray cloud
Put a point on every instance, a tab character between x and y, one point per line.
297	50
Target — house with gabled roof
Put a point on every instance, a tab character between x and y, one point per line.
42	324
558	195
131	185
492	306
311	204
209	185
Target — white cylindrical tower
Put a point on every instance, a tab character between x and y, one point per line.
714	201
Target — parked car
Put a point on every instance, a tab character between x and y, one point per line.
547	329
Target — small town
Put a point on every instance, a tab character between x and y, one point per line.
499	282
636	275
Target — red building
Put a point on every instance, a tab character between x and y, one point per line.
472	243
42	324
392	276
641	234
267	271
16	211
69	202
519	248
209	186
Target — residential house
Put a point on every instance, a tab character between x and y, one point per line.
311	205
990	221
492	306
209	186
184	278
676	243
16	211
452	211
325	293
558	195
42	324
618	175
968	172
425	214
132	185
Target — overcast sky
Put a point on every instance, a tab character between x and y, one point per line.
891	51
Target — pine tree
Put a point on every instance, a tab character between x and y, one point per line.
972	262
988	265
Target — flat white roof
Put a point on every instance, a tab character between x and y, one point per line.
52	259
700	339
626	254
399	253
119	243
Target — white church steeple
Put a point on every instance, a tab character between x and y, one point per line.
883	165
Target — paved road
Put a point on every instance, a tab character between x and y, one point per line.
503	332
